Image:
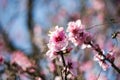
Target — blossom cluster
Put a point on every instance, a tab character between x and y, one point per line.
59	44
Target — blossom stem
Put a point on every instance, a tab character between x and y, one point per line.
64	64
101	53
63	60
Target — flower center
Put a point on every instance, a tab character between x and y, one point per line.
81	34
70	65
1	59
57	39
75	31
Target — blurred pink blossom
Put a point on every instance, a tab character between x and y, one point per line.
101	61
91	76
98	4
111	56
75	26
87	40
21	60
104	65
51	66
72	66
86	66
103	77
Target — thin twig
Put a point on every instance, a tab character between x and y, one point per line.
111	62
64	64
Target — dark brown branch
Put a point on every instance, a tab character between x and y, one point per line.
64	64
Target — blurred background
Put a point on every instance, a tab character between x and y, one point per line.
24	26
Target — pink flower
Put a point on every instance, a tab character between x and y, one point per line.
111	56
72	66
21	60
58	42
52	66
77	33
104	65
91	76
58	39
101	61
88	38
86	66
75	26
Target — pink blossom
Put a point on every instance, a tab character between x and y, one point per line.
58	42
88	38
21	60
98	5
104	65
86	66
72	66
111	56
101	61
91	76
75	26
58	39
76	32
51	66
103	77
